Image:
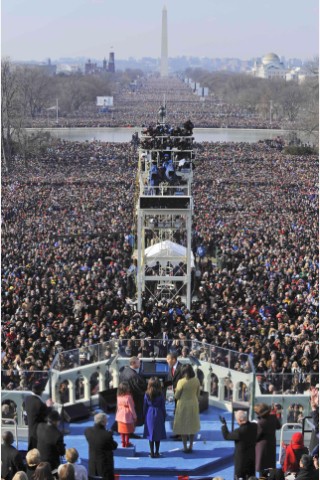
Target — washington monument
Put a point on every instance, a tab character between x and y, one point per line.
164	45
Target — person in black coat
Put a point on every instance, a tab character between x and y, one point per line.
11	459
175	370
37	412
245	442
101	446
266	446
50	440
174	375
307	470
137	386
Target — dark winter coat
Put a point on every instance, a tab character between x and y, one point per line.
173	380
37	412
266	442
50	444
138	386
101	444
154	412
11	461
307	474
244	454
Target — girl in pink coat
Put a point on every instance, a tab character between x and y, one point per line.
126	414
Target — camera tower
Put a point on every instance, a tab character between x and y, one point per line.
164	213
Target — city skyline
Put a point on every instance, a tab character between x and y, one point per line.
36	30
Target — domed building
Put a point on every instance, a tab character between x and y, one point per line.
269	66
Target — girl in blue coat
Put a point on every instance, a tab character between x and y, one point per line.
154	411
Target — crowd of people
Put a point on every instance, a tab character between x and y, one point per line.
68	234
139	106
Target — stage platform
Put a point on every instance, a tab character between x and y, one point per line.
212	455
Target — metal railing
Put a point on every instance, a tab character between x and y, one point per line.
148	347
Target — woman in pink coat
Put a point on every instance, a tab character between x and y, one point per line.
126	414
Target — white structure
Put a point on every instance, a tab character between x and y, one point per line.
166	251
269	67
164	45
299	74
104	101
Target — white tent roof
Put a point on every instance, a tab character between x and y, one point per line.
168	251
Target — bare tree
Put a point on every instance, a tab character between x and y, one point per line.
35	90
310	114
11	112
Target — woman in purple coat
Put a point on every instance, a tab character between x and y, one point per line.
154	412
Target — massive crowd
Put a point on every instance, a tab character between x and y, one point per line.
139	106
67	241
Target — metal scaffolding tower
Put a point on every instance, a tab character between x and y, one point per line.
164	213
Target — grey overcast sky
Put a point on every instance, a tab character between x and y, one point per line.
39	29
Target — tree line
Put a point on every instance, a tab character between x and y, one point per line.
28	92
285	101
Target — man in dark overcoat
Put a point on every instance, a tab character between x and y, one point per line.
174	375
11	459
245	441
137	385
101	446
37	412
50	440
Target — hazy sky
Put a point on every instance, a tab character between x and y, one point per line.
39	29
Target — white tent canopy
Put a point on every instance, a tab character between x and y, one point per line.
166	251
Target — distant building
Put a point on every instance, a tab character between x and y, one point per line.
269	66
111	64
93	68
299	74
68	69
90	68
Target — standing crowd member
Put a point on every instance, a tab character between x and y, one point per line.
80	471
245	443
66	472
11	460
293	453
32	460
50	441
43	472
21	475
126	415
186	418
37	412
154	412
137	386
314	404
101	446
266	447
307	470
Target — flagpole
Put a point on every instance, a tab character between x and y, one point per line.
57	111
